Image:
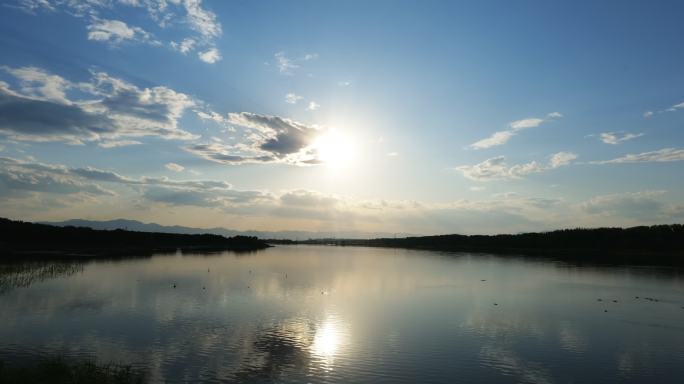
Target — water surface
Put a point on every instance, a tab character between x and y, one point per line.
331	314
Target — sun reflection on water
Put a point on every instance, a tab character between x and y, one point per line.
326	343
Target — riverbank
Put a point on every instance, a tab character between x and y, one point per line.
21	240
655	245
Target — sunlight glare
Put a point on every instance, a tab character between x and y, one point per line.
326	340
335	149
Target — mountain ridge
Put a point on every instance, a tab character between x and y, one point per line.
135	225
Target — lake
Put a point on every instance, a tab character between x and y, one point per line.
317	314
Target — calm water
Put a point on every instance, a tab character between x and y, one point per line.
326	314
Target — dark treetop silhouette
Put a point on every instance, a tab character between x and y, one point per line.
18	239
658	244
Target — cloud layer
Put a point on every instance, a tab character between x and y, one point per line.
30	182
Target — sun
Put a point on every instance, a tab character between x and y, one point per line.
335	149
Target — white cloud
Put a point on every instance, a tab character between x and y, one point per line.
36	82
525	123
343	83
292	98
662	155
116	31
105	110
174	167
117	143
615	138
210	56
498	138
285	65
496	168
313	106
561	158
310	56
187	16
202	20
648	113
676	107
210	115
185	46
31	6
502	137
393	154
271	139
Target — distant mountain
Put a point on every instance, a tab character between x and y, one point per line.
133	225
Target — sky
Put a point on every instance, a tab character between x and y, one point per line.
416	117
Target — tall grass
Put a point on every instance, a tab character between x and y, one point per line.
62	371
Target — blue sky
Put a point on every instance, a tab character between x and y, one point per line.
396	116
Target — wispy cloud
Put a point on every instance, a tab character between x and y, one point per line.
674	108
184	46
292	98
116	31
313	106
117	143
502	137
285	65
662	155
496	168
174	167
615	138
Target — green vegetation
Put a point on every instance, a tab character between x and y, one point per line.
20	239
61	371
